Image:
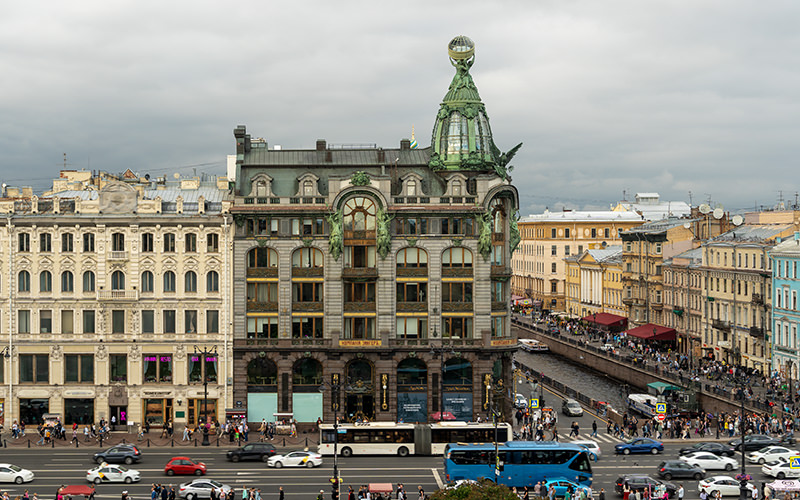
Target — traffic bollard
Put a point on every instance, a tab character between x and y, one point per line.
29	442
195	442
172	443
148	442
52	443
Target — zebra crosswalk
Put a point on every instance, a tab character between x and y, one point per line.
600	438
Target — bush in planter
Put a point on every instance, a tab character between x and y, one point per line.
484	490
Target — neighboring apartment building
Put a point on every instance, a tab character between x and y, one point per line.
373	282
112	282
785	258
684	301
651	208
738	278
549	238
594	282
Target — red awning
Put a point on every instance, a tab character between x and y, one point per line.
652	332
607	319
74	490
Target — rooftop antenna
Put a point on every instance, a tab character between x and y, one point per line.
690	198
65	162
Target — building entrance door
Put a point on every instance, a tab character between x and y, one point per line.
360	406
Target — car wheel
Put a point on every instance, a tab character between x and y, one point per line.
626	451
698	476
309	464
198	472
235	458
128	460
264	458
347	452
654	451
18	479
713	494
781	475
278	465
402	451
761	461
98	460
128	480
728	467
668	476
170	472
97	480
191	496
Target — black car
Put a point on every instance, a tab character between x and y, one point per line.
754	442
122	453
679	468
640	482
718	449
252	451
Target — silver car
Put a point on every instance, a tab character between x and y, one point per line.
201	488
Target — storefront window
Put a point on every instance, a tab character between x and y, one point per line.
198	414
157	368
157	411
31	411
200	365
78	411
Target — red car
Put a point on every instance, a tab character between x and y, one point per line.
184	465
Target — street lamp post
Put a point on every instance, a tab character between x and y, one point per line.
204	353
335	397
440	352
744	493
495	392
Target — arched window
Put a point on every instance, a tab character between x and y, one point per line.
411	187
412	257
457	257
169	282
262	257
190	282
308	188
359	214
359	373
45	281
88	281
212	281
498	216
67	282
308	258
412	371
457	371
147	282
262	371
118	280
261	188
307	372
24	281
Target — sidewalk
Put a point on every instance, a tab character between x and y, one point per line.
154	440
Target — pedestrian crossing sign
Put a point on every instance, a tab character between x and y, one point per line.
661	408
534	403
794	463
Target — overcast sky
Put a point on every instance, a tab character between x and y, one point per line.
668	96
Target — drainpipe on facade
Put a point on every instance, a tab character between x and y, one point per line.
227	312
9	406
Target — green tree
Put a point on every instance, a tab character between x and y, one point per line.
485	490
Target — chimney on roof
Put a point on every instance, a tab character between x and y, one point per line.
321	145
405	144
381	155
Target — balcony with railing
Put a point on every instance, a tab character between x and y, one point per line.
118	255
499	305
120	295
757	331
412	307
308	272
256	306
412	272
262	272
501	271
358	307
720	325
456	272
360	273
757	299
457	306
307	306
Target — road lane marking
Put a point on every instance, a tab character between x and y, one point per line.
438	478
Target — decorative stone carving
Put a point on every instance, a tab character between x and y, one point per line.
118	198
180	352
135	353
101	354
55	353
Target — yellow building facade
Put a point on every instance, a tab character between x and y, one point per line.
594	282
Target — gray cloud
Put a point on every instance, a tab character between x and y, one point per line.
663	96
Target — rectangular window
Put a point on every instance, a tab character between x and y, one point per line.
554	250
118	242
456	292
88	242
190	243
498	291
148	242
606	233
553	267
118	366
169	243
498	326
359	256
412	292
566	232
157	368
24	240
308	292
212	243
594	232
169	321
307	328
88	321
34	368
553	233
66	242
566	250
262	292
45	242
212	321
190	321
118	321
148	321
202	367
359	328
456	328
411	328
262	327
580	249
497	255
45	321
79	368
67	322
23	321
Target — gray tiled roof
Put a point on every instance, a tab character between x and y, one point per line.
751	232
339	157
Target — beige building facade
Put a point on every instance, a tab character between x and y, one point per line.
594	282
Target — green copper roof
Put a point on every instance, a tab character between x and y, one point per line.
462	88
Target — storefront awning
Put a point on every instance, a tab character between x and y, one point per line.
607	319
652	332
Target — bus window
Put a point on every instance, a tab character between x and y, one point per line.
581	463
329	436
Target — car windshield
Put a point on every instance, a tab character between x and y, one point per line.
122	468
216	484
14	468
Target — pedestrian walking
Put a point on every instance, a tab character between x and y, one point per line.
594	429
421	493
281	493
602	495
681	492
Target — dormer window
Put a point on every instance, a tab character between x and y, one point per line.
308	188
411	187
261	188
456	188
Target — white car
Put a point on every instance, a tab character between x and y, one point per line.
105	473
295	459
520	402
201	488
770	454
591	446
709	461
10	473
780	469
726	485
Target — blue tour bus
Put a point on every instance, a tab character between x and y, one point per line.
522	463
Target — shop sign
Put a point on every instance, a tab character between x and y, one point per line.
359	343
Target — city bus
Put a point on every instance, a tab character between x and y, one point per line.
522	463
389	438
